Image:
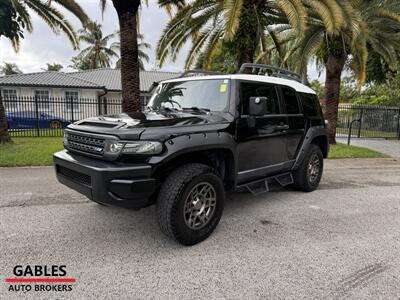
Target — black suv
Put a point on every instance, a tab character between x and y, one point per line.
199	137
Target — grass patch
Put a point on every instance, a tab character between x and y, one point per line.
29	152
39	152
343	151
366	133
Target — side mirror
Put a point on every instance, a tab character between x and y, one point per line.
258	106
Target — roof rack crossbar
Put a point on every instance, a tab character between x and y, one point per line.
202	72
273	71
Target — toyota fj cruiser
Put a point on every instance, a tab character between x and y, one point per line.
199	137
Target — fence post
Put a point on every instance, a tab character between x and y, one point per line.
37	116
99	106
72	108
360	123
105	105
398	124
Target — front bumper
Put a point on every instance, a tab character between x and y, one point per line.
110	183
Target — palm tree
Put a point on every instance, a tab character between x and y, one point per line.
97	54
80	63
10	69
53	67
11	25
50	13
142	55
242	23
339	34
127	11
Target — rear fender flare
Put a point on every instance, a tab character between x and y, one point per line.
312	133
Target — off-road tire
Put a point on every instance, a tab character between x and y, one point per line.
301	175
172	197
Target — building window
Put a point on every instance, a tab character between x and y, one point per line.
43	99
10	99
9	93
71	100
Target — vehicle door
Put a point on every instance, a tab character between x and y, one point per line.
30	119
23	119
261	139
295	120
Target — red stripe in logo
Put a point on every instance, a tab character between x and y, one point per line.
40	280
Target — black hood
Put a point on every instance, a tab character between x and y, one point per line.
153	125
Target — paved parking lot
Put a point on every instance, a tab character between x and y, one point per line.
341	241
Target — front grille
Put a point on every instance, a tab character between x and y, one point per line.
75	176
86	143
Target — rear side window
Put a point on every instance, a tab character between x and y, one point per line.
310	105
251	89
291	103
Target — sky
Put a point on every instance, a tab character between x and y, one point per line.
43	46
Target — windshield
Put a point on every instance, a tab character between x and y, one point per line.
207	94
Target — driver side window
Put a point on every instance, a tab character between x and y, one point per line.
251	89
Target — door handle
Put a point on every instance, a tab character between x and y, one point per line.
282	127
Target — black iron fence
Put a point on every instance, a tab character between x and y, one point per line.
368	121
34	116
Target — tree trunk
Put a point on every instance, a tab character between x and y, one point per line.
4	135
242	58
334	67
127	15
246	38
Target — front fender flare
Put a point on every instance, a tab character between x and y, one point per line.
187	143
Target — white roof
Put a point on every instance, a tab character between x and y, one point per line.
299	87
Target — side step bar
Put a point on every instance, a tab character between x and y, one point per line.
260	186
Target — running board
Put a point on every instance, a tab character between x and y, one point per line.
260	186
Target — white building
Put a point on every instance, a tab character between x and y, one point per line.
54	89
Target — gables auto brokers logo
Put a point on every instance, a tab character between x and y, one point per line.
38	278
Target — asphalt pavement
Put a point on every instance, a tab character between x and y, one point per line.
341	241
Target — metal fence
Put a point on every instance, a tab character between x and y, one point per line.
34	116
368	121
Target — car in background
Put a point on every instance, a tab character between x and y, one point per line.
34	120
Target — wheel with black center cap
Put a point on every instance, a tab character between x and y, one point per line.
190	203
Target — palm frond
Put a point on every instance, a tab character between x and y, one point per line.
232	11
295	12
73	7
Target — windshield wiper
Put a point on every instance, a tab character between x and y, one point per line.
197	109
169	109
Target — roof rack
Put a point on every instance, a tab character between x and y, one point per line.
267	70
189	73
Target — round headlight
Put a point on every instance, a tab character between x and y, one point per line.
115	147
